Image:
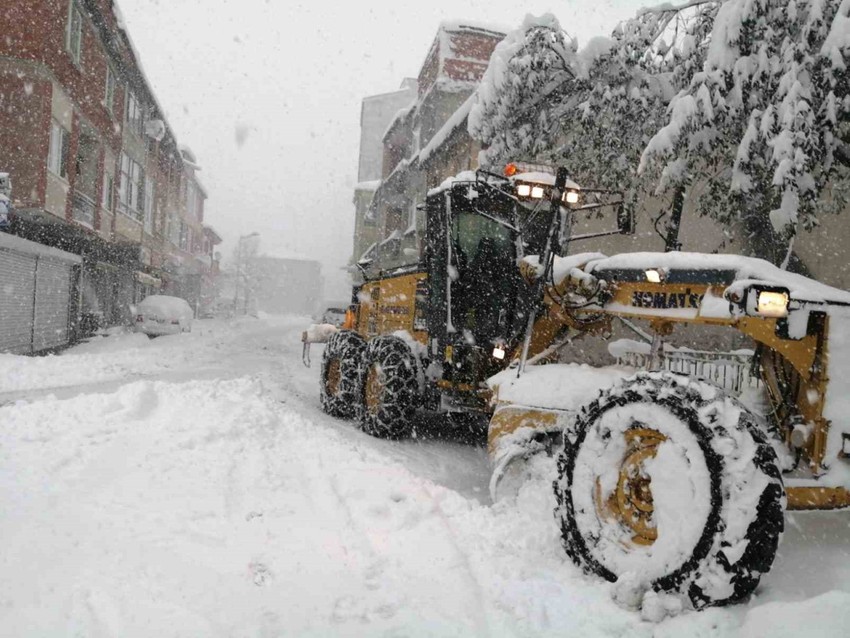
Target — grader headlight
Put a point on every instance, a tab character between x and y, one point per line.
771	303
761	301
654	276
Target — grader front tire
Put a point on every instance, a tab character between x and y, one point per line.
671	481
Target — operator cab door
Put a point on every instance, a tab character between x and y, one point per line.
476	296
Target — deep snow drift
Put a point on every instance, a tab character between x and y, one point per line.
190	486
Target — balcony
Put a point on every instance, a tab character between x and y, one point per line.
83	208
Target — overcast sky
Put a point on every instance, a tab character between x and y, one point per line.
267	94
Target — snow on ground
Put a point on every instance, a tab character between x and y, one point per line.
190	486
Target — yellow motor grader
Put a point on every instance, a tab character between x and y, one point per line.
662	479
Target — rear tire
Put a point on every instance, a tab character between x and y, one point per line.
342	362
390	388
667	481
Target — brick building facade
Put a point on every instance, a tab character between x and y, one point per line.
96	169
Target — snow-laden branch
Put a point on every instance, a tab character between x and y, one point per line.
668	7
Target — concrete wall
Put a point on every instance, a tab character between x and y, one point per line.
377	111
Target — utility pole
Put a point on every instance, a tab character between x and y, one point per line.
241	273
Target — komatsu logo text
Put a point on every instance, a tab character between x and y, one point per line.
645	299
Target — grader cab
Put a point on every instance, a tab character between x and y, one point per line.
660	478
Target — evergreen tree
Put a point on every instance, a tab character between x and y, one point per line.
757	124
742	104
526	80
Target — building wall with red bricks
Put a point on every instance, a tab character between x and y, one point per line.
41	82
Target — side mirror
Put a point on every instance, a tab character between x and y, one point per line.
625	219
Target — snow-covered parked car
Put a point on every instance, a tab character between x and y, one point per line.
163	315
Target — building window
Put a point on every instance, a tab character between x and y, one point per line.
175	231
74	35
184	237
133	113
193	201
149	201
57	157
108	190
109	98
131	190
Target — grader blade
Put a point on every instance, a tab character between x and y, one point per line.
518	435
532	414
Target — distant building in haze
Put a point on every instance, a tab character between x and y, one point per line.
285	285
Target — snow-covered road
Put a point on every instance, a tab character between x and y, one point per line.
190	486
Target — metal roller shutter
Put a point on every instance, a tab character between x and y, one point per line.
17	292
52	304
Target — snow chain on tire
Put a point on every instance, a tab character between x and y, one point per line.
342	363
722	543
389	389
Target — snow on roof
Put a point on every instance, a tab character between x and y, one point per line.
371	185
187	153
285	254
399	116
456	120
209	230
19	244
122	26
449	27
400	168
463	176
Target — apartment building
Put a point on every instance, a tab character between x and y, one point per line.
376	113
96	168
427	142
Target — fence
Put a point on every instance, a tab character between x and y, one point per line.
731	371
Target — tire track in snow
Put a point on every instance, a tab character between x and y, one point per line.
481	616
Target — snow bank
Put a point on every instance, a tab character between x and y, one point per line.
825	616
230	505
209	508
